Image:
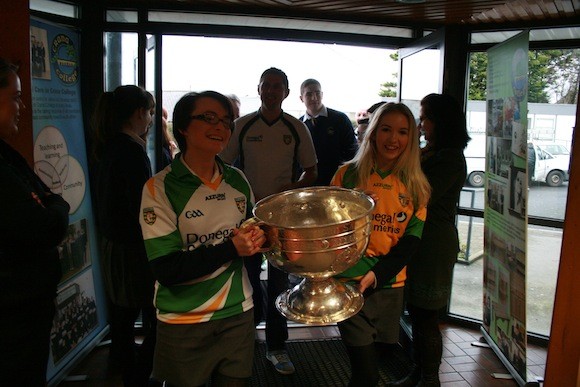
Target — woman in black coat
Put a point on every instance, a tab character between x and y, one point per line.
429	273
121	121
34	222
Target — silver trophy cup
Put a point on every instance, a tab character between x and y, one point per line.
316	233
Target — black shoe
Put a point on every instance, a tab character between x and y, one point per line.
429	381
410	380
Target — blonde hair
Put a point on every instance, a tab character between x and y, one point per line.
408	166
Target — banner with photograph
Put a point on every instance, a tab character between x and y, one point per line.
505	215
60	159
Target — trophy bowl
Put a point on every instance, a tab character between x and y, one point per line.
316	233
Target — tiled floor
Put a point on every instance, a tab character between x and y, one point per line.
463	364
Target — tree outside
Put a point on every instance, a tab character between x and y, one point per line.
389	89
552	76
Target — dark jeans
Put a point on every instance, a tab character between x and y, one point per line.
427	342
254	268
24	343
276	324
136	362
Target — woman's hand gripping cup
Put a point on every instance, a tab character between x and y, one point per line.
248	239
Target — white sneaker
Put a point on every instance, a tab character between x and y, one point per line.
281	361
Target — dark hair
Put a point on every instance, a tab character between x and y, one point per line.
370	111
308	82
275	71
113	111
186	105
449	125
5	69
234	98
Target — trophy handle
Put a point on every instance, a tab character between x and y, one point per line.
253	221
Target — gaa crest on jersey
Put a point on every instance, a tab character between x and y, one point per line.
287	139
149	215
241	204
404	200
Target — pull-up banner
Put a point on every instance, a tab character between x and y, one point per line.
60	160
505	214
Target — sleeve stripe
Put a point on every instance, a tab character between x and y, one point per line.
150	184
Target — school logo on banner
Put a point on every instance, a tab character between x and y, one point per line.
65	59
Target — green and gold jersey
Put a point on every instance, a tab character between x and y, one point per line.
394	216
181	211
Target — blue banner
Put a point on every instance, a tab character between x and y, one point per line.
60	159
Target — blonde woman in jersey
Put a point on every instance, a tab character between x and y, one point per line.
191	213
387	166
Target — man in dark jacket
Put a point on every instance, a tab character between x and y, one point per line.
331	131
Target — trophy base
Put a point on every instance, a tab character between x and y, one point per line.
320	302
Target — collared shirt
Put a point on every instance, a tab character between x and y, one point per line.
322	113
333	139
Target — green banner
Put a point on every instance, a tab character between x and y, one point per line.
505	214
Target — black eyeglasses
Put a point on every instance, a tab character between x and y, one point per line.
212	118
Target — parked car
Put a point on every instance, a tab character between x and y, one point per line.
549	168
552	169
555	149
475	160
475	170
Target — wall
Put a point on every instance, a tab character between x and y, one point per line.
562	368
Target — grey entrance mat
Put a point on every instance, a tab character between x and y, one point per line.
320	363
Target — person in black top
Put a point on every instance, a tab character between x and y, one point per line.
34	222
531	163
121	121
331	131
430	270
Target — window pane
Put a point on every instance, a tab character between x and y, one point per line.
121	59
328	63
544	245
535	35
551	120
492	36
150	86
420	76
277	22
543	257
55	8
555	33
122	16
468	273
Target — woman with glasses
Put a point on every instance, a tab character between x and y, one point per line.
121	121
192	212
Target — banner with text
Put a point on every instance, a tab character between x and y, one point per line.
505	216
60	159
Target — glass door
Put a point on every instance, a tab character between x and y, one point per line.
421	70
